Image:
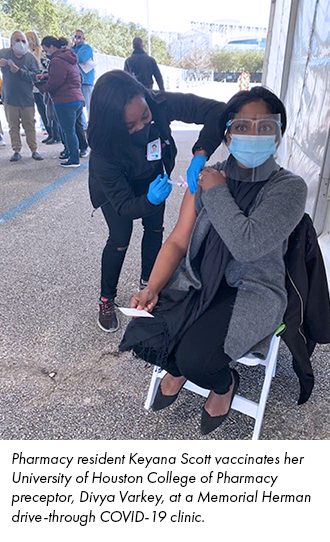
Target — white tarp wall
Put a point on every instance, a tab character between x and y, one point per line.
297	68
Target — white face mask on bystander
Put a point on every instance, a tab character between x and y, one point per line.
20	48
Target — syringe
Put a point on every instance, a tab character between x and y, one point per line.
182	183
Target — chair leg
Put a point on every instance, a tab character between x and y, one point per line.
157	375
269	373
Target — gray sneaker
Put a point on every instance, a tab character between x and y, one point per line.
37	156
16	157
107	320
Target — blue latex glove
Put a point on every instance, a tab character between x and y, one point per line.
159	190
196	164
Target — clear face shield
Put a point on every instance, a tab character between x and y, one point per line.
253	143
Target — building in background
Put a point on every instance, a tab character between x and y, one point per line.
225	33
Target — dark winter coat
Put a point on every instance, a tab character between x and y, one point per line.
307	315
64	79
144	67
111	180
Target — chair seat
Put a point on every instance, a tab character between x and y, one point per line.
241	404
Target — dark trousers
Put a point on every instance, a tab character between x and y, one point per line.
53	126
80	131
67	117
120	231
39	100
200	356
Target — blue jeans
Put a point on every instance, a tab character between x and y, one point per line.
67	116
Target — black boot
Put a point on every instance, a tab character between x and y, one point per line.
48	138
56	131
55	137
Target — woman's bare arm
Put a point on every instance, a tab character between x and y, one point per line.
169	257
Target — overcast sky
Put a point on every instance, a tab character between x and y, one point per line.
175	15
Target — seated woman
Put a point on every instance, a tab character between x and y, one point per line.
217	289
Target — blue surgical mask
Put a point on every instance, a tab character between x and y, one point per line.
252	151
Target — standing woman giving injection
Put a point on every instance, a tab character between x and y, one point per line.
132	156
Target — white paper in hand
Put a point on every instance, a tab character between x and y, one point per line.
135	313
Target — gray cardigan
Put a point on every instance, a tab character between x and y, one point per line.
257	244
18	87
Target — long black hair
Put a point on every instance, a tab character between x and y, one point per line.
107	131
256	94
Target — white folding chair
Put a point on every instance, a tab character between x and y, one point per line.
241	404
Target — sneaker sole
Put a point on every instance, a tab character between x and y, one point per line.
107	330
70	165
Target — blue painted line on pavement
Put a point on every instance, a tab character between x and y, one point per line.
27	203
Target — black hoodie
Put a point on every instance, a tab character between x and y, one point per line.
144	67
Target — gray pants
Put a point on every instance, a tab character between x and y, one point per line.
87	92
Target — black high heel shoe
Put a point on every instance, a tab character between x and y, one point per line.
209	423
163	401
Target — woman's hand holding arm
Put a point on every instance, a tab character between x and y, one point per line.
210	177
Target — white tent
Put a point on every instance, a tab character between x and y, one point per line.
297	69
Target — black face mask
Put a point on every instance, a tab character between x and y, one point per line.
142	136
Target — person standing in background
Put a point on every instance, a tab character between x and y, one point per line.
2	141
244	81
143	66
19	71
63	83
86	64
36	50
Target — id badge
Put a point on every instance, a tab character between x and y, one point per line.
154	150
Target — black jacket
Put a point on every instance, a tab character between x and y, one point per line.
144	67
112	180
308	312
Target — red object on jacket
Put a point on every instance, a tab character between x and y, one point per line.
64	79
